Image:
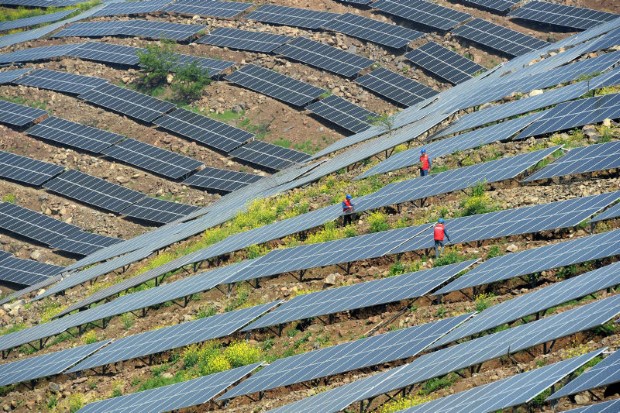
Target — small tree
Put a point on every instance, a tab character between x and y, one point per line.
189	81
384	120
157	61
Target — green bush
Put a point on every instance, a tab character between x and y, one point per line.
483	301
242	353
378	222
215	364
10	198
191	356
437	383
90	337
157	62
189	81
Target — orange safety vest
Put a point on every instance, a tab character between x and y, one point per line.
439	232
424	161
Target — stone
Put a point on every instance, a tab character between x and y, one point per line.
512	248
167	375
121	179
331	279
582	398
54	387
607	123
237	109
535	92
35	255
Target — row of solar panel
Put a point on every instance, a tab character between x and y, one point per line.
24	272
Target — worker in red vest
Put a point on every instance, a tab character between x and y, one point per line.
425	163
439	234
348	208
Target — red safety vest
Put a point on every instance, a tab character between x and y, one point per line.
347	206
424	161
439	232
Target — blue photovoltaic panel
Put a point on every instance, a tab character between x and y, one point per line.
375	31
561	15
268	155
84	243
208	8
350	356
244	40
422	12
26	272
91	29
33	21
444	63
19	115
107	53
221	179
26	170
60	81
38	53
368	294
611	406
343	113
11	75
613	212
132	7
158	210
495	5
134	28
173	397
291	16
214	66
395	87
4	255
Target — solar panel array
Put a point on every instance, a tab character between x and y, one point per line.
38	53
158	210
202	129
133	27
91	29
26	170
561	15
343	113
268	155
613	212
26	272
395	87
60	81
605	407
84	243
577	113
10	76
18	115
244	40
498	38
223	180
34	21
375	31
444	63
107	53
133	7
275	85
291	16
324	57
209	8
496	5
423	12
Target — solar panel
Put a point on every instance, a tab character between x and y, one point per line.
26	272
444	63
128	102
34	21
158	210
268	155
423	12
291	16
26	170
512	391
175	396
221	179
91	29
160	30
132	7
151	158
365	352
33	368
604	373
367	294
385	34
93	191
209	8
74	135
324	57
577	113
495	5
561	15
18	115
200	128
60	81
343	113
275	85
214	66
535	260
362	2
244	40
176	336
4	255
107	53
84	243
11	75
38	53
613	212
498	38
605	407
396	87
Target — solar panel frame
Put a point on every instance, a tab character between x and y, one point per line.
91	29
221	179
495	5
343	113
26	272
84	243
129	8
19	115
60	81
423	12
396	87
291	16
158	210
267	155
10	76
26	170
160	30
244	40
107	53
211	8
613	212
561	15
604	407
35	21
37	53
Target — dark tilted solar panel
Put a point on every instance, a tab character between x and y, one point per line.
18	115
581	160
356	1
395	87
84	243
345	357
275	85
132	7
208	8
60	81
74	135
512	391
367	294
422	12
151	158
561	15
173	397
291	16
613	212
375	31
158	210
496	5
244	40
33	21
107	53
498	38
50	364
33	225
444	63
603	374
535	260
576	113
205	130
38	53
160	30
324	57
27	170
26	272
214	66
11	75
221	179
91	29
268	155
611	406
128	102
4	255
93	191
343	113
176	336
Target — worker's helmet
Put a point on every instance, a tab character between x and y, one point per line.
441	220
349	196
423	151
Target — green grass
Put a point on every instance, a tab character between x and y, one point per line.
16	13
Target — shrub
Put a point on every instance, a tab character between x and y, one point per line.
242	353
90	337
10	198
157	61
494	251
397	268
483	301
402	403
449	257
438	383
206	312
215	364
189	81
191	356
128	320
76	401
378	222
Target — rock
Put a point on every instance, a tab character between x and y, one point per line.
237	109
167	375
169	78
54	387
6	408
535	92
583	398
331	279
35	255
591	132
607	123
512	248
121	179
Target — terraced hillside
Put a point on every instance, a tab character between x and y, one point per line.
171	230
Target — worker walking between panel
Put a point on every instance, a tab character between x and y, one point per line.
440	233
348	209
425	163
